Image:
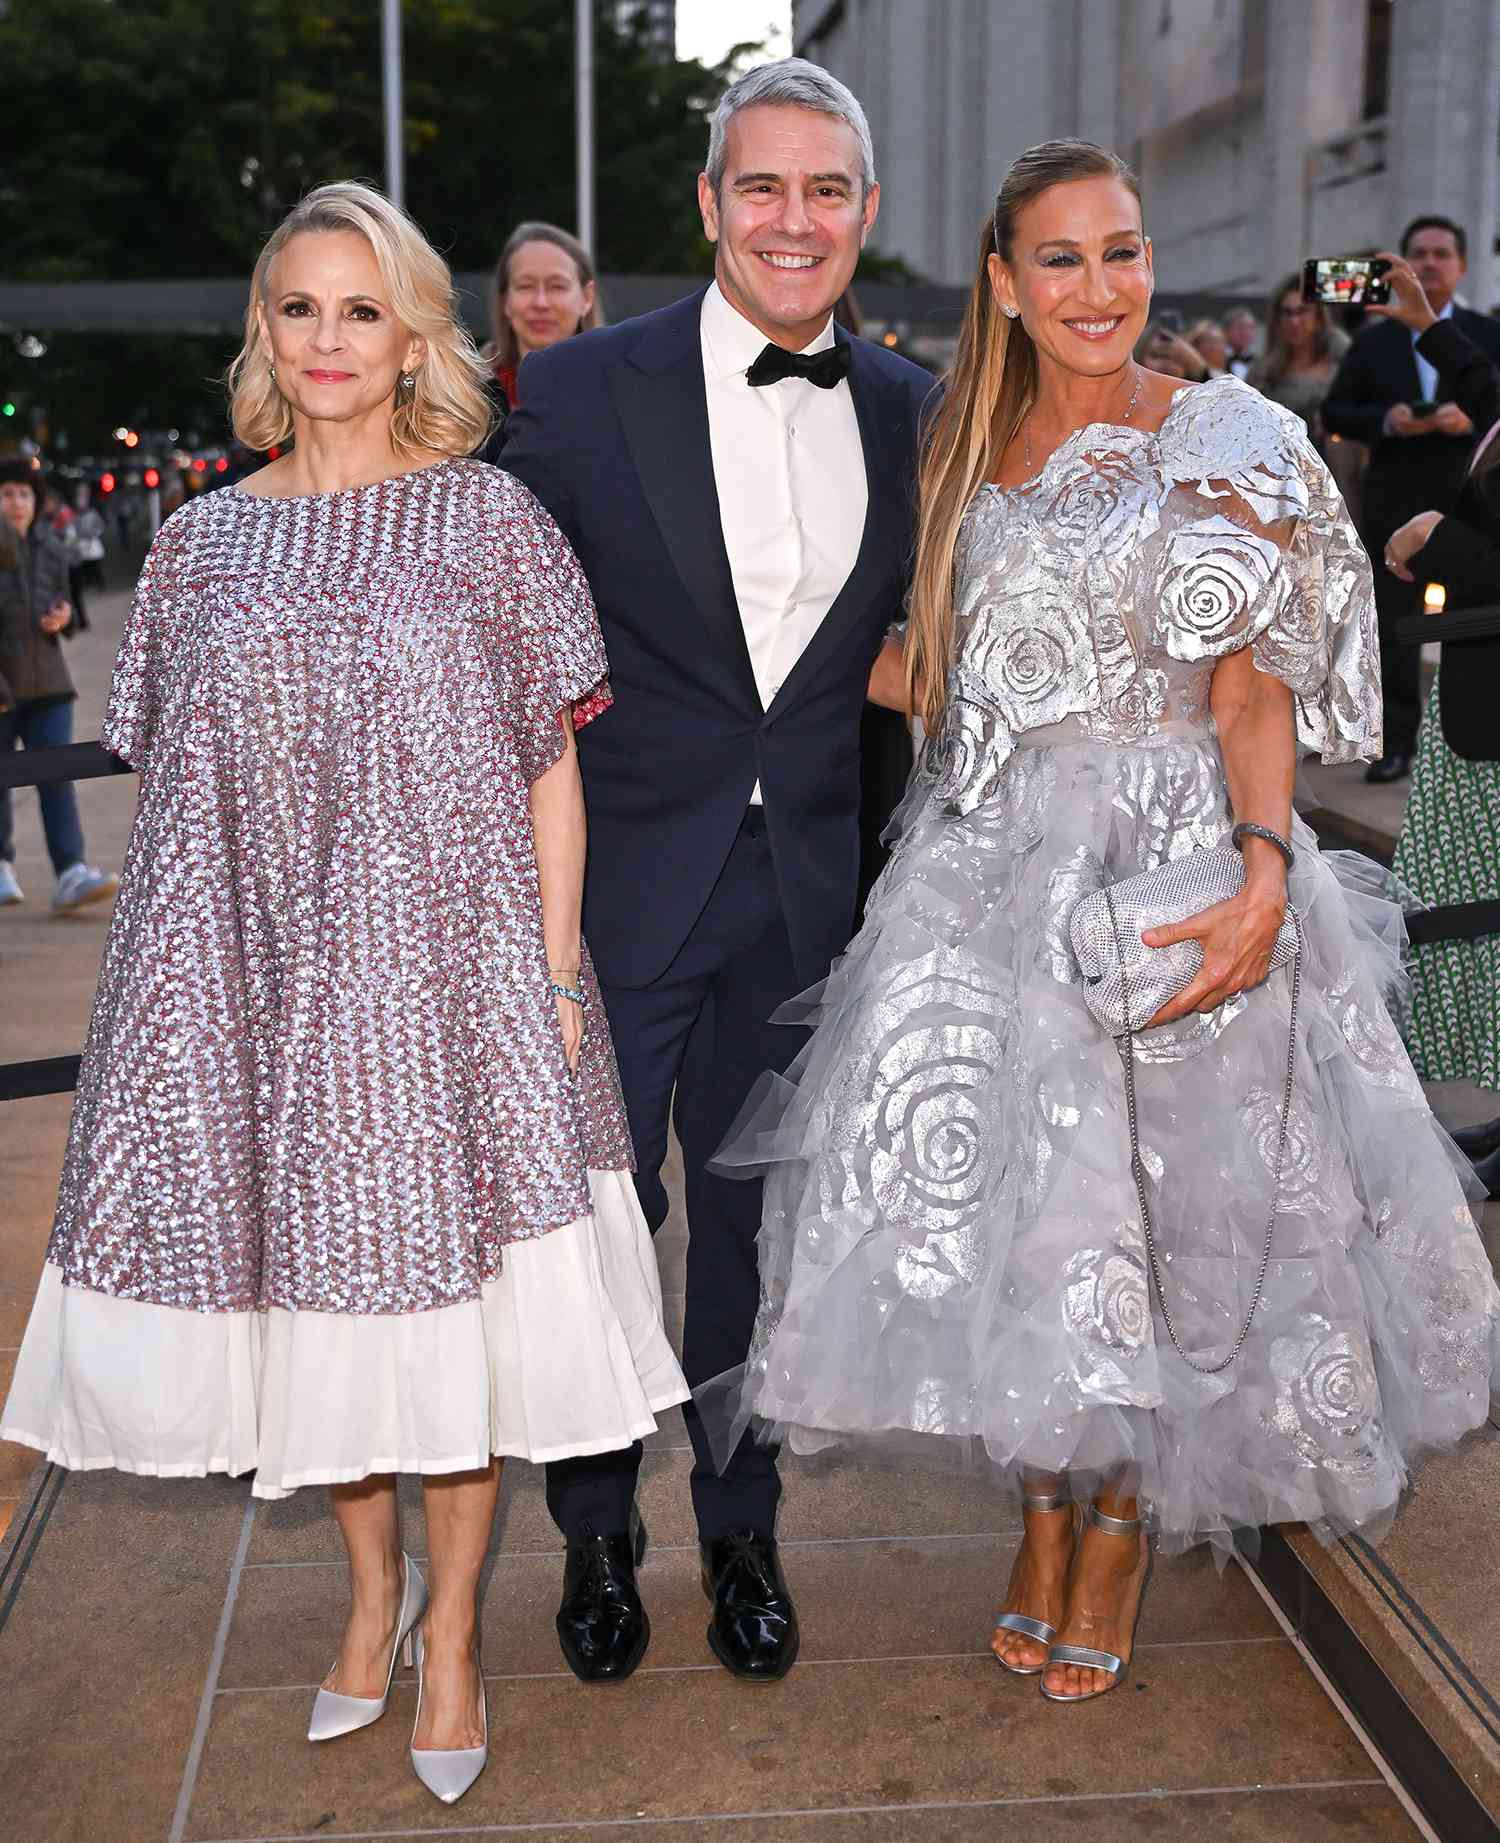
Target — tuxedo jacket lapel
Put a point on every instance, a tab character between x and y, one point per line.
663	407
881	410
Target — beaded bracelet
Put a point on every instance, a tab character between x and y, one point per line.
574	993
1247	829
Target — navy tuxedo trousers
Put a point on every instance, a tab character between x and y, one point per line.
690	1047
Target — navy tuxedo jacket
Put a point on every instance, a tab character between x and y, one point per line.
612	436
1407	474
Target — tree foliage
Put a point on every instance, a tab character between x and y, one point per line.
166	137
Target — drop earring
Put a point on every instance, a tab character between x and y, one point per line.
273	374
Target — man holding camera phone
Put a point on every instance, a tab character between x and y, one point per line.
1385	396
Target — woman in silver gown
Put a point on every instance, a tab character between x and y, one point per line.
1133	603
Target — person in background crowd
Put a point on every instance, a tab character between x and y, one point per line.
1303	351
1449	848
1208	341
174	490
58	517
88	527
1242	331
1166	351
745	580
348	1187
1385	395
35	616
545	291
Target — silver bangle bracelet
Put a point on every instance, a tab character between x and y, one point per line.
1246	829
573	993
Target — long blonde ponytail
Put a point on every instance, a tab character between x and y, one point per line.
986	395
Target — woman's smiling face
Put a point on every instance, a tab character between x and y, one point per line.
333	335
1080	272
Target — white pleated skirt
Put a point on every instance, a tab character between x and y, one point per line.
564	1354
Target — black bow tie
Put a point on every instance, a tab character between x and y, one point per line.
825	368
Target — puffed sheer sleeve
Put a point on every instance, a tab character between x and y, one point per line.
554	652
142	675
1257	549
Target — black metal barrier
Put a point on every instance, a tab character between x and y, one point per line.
1464	624
88	761
73	761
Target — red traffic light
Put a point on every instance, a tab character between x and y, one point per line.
221	466
200	465
152	477
106	483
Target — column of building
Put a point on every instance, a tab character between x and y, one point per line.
1445	126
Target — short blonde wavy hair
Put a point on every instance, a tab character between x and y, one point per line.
448	410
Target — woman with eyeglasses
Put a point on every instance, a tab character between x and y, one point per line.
545	291
1302	353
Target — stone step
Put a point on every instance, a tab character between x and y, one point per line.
1409	1631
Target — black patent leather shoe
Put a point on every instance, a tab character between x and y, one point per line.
601	1624
1394	765
1477	1142
753	1632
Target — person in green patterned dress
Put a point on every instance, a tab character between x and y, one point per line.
1449	848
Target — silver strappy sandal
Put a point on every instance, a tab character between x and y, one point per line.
1022	1623
1085	1655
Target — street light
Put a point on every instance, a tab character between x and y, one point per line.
390	63
583	53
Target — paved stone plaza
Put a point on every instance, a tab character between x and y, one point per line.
160	1640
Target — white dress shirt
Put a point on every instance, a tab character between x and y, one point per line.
790	472
1427	374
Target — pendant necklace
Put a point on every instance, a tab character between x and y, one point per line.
1135	397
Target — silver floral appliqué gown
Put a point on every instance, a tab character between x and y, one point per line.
951	1243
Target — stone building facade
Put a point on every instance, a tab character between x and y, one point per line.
1264	131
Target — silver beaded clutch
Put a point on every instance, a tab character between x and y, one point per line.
1110	956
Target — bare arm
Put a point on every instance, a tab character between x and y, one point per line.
561	832
1258	739
888	679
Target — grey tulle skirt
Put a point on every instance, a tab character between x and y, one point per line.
951	1252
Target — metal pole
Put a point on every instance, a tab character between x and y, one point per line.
584	109
390	64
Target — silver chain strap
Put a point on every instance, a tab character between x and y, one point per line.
1127	1051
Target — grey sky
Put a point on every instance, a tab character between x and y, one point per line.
707	28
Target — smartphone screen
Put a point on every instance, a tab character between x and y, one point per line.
1346	281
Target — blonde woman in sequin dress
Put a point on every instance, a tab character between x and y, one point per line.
348	1190
1133	603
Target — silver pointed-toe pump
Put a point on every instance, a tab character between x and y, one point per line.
448	1772
333	1714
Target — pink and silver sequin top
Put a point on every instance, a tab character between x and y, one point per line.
324	1068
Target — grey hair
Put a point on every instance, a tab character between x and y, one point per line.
792	81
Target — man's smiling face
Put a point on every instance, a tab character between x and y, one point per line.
790	218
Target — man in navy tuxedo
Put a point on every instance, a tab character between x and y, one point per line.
736	475
1418	457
